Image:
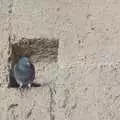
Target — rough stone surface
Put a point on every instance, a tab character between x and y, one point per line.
74	45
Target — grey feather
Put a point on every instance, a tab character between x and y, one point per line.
24	72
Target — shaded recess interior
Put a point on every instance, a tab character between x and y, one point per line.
38	50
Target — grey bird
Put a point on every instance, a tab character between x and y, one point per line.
24	72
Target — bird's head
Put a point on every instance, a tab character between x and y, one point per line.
24	61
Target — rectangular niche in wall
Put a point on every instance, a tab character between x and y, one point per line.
42	50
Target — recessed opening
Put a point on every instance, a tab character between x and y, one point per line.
38	50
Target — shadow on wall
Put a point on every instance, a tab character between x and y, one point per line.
38	50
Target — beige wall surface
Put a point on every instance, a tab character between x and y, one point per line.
74	45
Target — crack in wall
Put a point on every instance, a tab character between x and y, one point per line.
51	107
10	7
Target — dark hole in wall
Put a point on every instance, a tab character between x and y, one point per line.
38	50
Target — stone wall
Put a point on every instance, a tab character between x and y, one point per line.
74	45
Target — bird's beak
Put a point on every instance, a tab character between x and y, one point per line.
28	63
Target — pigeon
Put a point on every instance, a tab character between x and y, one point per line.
24	72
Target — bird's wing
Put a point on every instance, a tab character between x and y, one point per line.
33	72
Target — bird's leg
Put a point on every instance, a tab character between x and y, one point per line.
29	85
20	85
